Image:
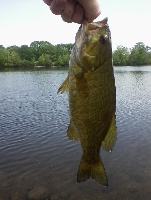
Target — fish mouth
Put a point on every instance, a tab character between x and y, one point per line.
94	25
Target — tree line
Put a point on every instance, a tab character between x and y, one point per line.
43	53
39	53
138	55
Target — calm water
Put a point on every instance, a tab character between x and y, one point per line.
34	149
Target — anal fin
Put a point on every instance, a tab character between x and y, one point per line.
71	132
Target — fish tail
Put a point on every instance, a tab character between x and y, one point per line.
94	170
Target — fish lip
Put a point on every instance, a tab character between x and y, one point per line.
97	24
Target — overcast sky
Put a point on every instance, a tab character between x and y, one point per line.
22	22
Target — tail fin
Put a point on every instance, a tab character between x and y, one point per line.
94	170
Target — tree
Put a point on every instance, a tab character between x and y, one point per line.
25	53
41	47
62	54
139	54
120	56
148	58
45	54
2	47
13	48
13	59
44	60
65	47
3	57
62	60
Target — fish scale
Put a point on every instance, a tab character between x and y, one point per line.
92	98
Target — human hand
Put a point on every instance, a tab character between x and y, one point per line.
75	10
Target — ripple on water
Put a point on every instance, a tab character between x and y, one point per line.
34	147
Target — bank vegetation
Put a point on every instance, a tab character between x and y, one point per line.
42	54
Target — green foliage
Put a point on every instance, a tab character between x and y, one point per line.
2	47
137	56
13	48
41	47
120	56
62	60
40	53
13	59
3	57
43	53
44	60
9	58
25	53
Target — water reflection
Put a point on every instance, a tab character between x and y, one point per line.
34	149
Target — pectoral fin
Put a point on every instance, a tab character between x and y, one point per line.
81	82
64	86
110	139
77	71
71	132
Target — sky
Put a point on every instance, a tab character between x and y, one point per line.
22	22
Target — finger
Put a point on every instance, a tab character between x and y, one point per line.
78	14
92	9
68	11
57	6
65	18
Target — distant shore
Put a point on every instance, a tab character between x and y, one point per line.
44	55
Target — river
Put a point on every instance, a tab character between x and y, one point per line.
34	148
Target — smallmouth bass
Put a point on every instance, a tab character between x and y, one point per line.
92	98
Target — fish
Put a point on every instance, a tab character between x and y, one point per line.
92	98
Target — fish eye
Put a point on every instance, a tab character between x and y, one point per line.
103	39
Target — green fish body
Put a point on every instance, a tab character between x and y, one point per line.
92	98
